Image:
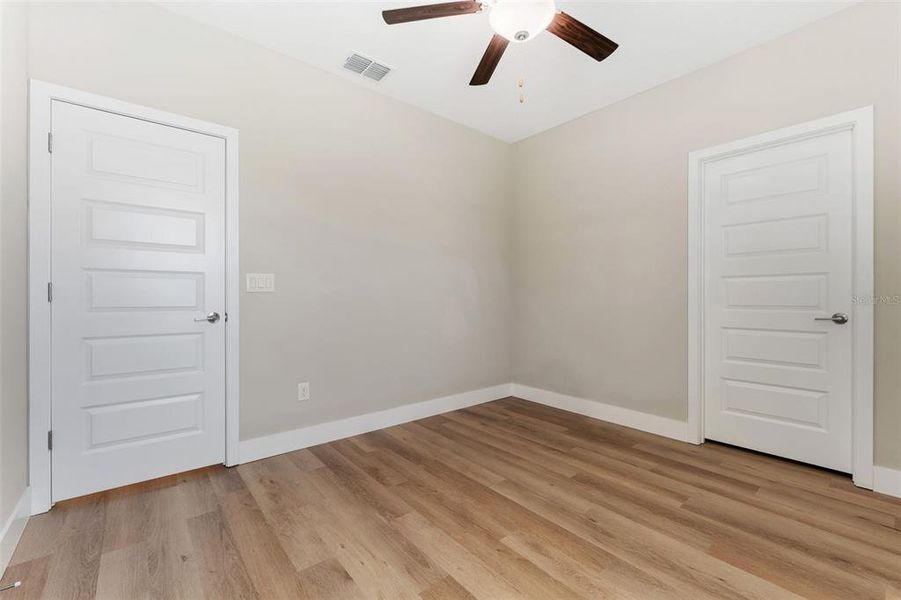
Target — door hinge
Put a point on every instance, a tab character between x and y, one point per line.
49	440
49	291
49	142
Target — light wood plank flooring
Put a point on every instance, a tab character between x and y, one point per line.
505	500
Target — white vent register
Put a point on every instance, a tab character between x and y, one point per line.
366	67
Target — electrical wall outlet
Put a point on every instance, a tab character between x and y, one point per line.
303	391
260	282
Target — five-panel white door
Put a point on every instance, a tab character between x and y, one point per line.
779	225
137	257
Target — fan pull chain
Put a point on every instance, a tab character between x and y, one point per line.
520	84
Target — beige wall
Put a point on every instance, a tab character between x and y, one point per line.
386	226
13	399
600	214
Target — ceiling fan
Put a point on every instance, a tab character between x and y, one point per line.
513	21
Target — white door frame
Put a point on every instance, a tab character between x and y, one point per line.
41	94
860	123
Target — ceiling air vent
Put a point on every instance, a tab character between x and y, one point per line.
366	67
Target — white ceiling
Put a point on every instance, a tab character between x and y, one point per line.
434	60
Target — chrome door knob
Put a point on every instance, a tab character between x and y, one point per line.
840	318
210	318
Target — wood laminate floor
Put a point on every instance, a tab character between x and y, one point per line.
504	500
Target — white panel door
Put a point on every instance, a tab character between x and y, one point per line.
779	224
137	256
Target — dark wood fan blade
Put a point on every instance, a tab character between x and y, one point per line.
429	11
489	61
582	36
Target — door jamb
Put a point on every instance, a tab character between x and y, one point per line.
860	123
41	95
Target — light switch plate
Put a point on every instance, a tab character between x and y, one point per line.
260	282
303	391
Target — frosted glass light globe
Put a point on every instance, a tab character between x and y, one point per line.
521	20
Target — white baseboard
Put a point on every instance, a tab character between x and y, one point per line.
887	481
671	428
288	441
13	528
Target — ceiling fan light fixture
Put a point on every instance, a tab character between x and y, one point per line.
521	20
513	21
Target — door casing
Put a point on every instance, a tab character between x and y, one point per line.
41	94
860	123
